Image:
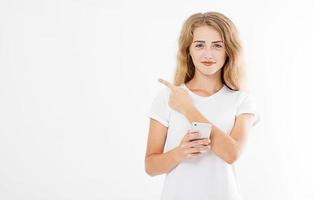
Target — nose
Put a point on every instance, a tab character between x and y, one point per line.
207	53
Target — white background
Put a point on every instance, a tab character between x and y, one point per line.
77	79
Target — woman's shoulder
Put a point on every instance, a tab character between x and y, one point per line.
239	95
162	93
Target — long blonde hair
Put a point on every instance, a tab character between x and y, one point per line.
232	71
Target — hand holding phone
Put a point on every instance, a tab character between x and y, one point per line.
193	145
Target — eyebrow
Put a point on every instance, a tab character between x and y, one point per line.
201	41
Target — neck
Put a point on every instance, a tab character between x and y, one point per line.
206	83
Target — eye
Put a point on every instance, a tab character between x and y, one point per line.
199	45
218	46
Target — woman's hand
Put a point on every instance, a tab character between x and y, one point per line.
190	149
179	99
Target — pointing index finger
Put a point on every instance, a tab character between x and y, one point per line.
166	83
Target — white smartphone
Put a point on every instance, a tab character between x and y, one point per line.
203	128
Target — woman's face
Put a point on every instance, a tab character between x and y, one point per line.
207	50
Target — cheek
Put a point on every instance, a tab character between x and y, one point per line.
221	56
196	57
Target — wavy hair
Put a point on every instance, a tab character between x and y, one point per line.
233	68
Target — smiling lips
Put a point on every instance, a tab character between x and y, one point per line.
208	63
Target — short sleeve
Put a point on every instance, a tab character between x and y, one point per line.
160	109
247	105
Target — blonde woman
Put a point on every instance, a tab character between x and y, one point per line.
207	89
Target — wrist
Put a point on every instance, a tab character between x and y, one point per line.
175	155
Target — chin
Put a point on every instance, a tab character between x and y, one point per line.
208	72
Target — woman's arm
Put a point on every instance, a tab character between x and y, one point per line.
227	147
157	162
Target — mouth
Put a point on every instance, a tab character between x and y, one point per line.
208	63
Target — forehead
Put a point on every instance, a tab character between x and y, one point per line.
206	33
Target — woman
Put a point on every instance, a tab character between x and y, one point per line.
207	89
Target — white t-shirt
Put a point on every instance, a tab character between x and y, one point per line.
206	176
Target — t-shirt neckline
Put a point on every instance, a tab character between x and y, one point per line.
202	97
